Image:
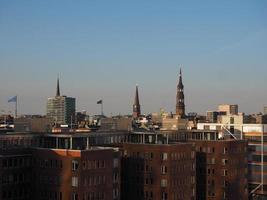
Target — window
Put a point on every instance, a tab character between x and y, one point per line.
225	172
224	161
74	196
115	162
164	156
74	181
151	156
115	193
164	196
163	183
225	150
163	169
75	165
225	183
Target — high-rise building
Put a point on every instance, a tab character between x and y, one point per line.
136	105
265	110
61	109
180	106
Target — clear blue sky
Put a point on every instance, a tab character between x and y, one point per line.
101	49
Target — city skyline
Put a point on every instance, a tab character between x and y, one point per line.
101	50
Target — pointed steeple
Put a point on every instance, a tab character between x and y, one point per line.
180	105
136	99
136	105
58	90
180	84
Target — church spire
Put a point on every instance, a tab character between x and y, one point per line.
58	90
136	106
180	106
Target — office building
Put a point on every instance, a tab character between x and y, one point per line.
61	109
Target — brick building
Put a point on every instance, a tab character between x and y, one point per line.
73	174
221	169
30	172
158	172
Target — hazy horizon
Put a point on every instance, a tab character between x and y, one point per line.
102	49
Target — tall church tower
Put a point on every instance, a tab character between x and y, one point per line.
180	107
136	105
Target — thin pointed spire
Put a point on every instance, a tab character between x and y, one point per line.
136	105
136	100
180	77
58	90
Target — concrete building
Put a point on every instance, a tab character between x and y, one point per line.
158	172
212	116
256	136
174	123
265	110
37	125
230	109
116	124
61	109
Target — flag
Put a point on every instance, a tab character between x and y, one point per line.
100	101
12	99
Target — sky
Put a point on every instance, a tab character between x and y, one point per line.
102	49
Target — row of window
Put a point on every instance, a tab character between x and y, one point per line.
51	180
15	178
15	194
92	164
163	156
50	163
225	150
51	195
187	181
90	196
93	180
16	162
182	155
176	169
15	143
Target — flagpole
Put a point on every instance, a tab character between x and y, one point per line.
102	113
16	108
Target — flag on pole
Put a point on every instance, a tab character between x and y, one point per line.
12	99
100	101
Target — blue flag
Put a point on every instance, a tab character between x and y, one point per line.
12	99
